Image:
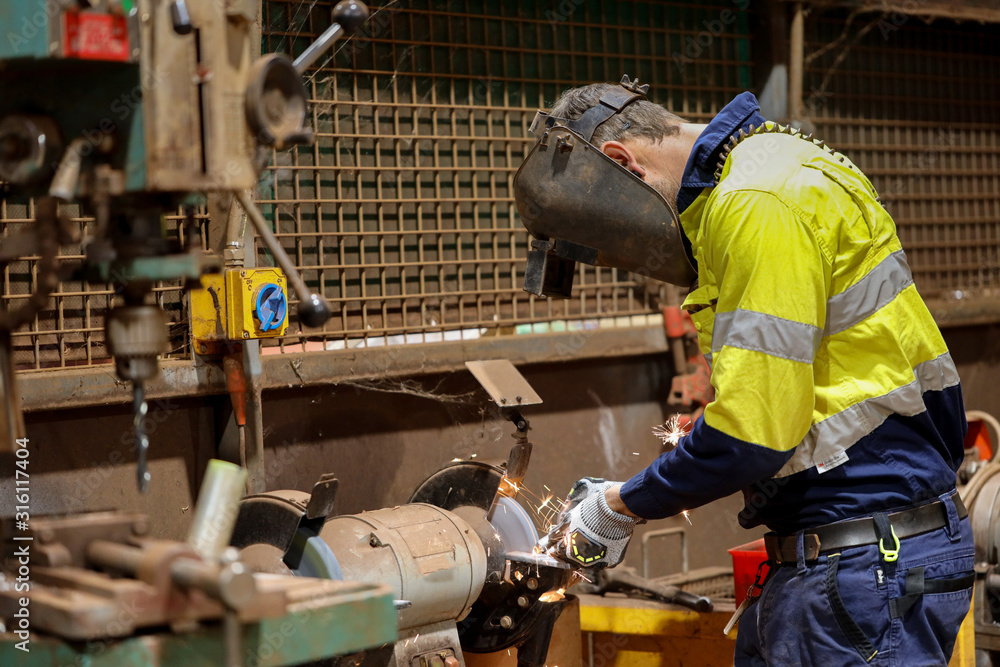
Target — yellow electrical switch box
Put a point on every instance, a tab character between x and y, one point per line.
239	304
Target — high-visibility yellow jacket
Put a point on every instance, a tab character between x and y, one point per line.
835	392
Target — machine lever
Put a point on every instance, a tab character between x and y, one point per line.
313	310
348	17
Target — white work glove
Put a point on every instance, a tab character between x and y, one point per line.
588	533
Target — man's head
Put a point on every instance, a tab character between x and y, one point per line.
640	120
642	137
615	206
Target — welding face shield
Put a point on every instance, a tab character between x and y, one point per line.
580	205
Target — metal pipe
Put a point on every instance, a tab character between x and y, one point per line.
796	63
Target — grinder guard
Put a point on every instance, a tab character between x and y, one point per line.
584	206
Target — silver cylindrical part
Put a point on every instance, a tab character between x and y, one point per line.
429	556
217	508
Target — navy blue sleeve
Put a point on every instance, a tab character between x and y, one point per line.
705	465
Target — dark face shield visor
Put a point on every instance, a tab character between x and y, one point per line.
580	205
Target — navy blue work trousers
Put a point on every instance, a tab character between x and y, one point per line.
844	609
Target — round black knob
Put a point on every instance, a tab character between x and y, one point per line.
351	15
314	311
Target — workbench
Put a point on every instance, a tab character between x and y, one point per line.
626	632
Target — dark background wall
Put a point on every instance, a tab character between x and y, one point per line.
596	420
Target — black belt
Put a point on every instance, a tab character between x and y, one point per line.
861	532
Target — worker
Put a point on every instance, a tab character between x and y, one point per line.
838	410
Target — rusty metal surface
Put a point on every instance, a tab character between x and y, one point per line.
99	386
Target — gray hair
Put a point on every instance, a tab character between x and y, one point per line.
639	120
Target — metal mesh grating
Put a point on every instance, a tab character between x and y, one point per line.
403	209
71	332
917	106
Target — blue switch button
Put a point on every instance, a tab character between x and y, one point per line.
271	307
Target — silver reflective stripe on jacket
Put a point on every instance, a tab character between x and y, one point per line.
867	296
778	337
836	434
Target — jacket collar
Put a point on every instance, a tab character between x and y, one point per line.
699	172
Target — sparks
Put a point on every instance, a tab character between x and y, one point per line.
670	432
687	517
553	596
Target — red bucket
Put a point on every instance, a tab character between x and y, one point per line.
746	559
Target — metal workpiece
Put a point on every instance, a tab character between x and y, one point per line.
430	557
97	577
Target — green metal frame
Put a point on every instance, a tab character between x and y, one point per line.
362	618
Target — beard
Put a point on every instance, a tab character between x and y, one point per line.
668	189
